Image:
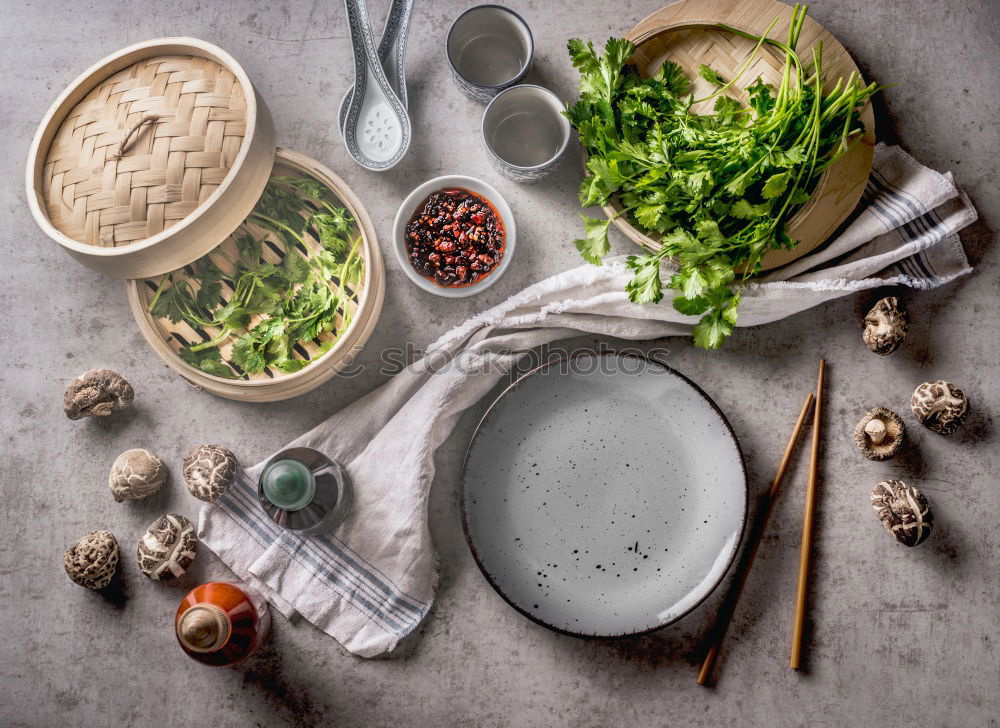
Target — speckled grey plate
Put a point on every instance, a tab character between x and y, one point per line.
604	495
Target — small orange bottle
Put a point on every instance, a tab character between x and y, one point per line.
219	624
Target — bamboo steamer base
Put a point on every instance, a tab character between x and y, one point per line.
683	32
166	338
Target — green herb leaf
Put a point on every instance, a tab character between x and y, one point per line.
591	192
248	354
308	186
708	230
744	210
595	245
690	306
251	248
208	361
711	75
673	79
698	183
788	157
233	315
333	232
250	350
583	56
607	173
649	216
645	286
599	75
289	366
798	197
776	185
282	204
693	282
295	268
711	331
718	323
761	97
168	302
210	289
727	109
738	184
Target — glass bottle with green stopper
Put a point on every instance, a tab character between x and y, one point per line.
303	490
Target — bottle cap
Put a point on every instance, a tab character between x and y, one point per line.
203	628
288	484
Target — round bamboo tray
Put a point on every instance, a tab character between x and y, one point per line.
167	338
684	32
150	158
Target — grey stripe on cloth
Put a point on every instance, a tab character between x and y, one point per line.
372	581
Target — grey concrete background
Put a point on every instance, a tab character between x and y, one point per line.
900	637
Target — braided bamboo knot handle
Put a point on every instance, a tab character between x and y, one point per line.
132	134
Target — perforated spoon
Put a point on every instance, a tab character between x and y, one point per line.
391	53
377	129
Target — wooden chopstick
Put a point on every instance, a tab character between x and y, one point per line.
726	615
807	526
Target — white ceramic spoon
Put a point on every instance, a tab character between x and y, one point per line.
391	53
377	129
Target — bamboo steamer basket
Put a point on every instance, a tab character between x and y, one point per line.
150	158
153	158
166	338
686	33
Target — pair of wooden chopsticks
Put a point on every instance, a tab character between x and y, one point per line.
726	614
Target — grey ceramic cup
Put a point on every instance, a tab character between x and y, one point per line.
489	48
525	132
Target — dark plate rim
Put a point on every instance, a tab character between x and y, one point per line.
586	635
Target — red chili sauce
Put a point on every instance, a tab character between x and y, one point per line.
455	238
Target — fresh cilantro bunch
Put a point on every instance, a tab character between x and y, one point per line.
292	301
715	189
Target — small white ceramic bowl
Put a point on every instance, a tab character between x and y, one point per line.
417	197
488	47
525	132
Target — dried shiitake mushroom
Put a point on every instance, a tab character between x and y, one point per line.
879	434
91	561
208	471
886	325
98	392
903	510
168	547
940	406
136	474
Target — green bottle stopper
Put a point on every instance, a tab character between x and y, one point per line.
288	484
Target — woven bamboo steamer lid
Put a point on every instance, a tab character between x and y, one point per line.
166	338
151	157
684	32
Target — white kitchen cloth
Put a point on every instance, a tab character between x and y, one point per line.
371	582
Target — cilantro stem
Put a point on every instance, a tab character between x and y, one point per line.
746	64
222	336
271	222
164	280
